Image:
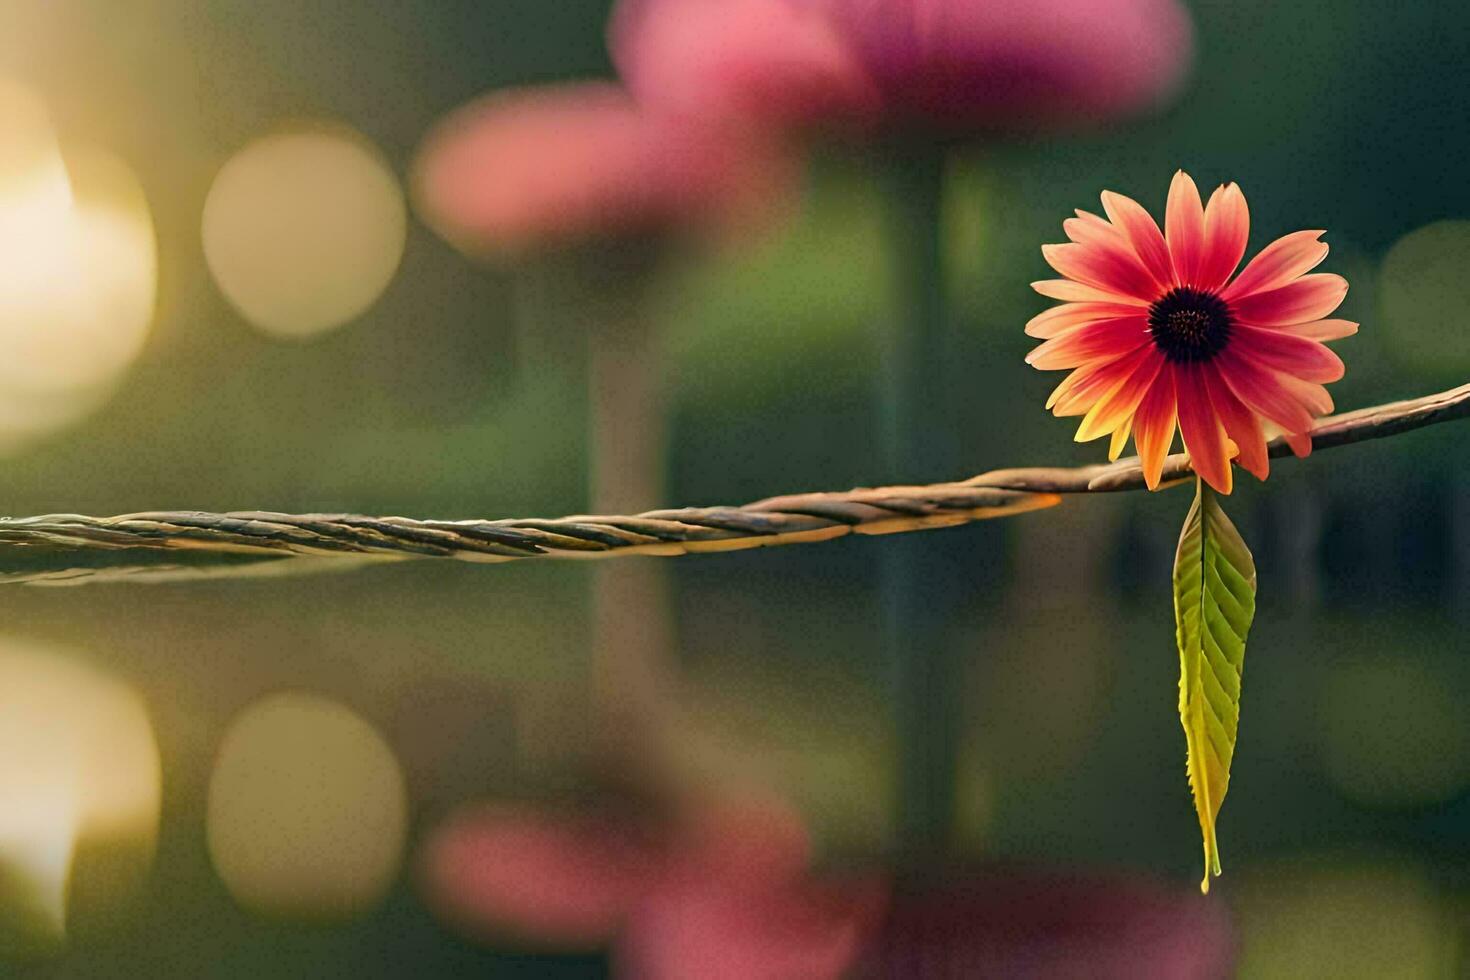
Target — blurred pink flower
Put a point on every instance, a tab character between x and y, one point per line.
780	62
947	65
724	893
547	167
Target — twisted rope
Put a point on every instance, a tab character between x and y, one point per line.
255	543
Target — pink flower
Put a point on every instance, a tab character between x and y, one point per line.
949	65
780	63
1155	329
545	167
1020	63
724	893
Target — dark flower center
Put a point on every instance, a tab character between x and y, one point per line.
1189	325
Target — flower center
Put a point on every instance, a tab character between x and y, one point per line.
1189	324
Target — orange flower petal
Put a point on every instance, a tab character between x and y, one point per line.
1296	356
1101	268
1313	397
1153	426
1118	405
1076	292
1300	443
1088	227
1279	263
1184	228
1227	226
1241	425
1091	232
1320	330
1083	387
1142	234
1090	341
1311	297
1263	394
1074	381
1120	439
1052	322
1200	428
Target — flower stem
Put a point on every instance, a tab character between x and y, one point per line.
591	308
912	416
632	617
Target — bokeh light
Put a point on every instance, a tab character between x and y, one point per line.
1338	918
1423	296
303	230
80	784
1393	732
307	809
78	295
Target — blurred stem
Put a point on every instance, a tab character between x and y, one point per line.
913	422
632	632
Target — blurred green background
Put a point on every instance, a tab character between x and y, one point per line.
1346	836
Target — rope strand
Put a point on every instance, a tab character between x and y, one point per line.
255	543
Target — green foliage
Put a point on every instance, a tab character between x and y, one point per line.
1214	603
799	305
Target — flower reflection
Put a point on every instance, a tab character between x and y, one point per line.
580	177
1052	926
723	892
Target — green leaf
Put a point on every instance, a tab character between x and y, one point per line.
1214	603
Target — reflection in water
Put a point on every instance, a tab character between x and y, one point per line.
1050	925
303	230
80	785
307	809
722	889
